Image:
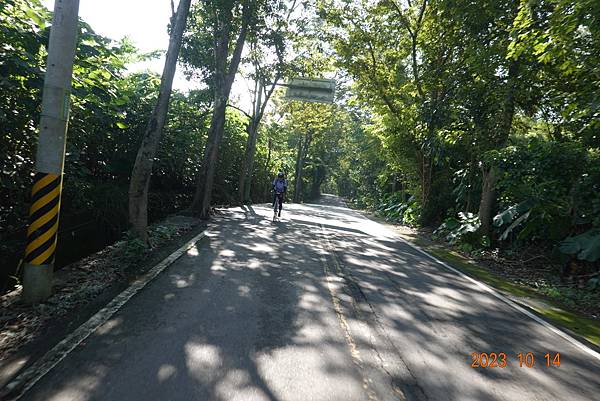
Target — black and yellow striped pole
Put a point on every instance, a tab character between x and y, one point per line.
45	195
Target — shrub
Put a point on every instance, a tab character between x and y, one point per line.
462	231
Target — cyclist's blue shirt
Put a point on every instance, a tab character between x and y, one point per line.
280	185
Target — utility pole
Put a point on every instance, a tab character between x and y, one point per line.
45	194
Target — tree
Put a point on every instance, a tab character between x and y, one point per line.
142	169
488	83
306	124
377	44
222	24
266	80
271	42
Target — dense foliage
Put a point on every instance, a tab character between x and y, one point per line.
480	118
110	108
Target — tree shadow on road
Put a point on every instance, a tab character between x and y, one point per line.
247	297
247	314
433	320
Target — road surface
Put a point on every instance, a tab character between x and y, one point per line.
323	305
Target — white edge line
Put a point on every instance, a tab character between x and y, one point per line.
40	368
508	301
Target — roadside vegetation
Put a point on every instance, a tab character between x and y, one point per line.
480	125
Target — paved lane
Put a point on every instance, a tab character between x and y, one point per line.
324	305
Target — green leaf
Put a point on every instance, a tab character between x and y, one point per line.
89	42
592	251
122	125
540	48
35	17
514	225
512	212
506	216
586	245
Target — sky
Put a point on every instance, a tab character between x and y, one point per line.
145	23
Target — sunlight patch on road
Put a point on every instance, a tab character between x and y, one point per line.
217	266
264	248
244	291
237	386
81	388
184	282
315	371
110	326
254	263
193	251
393	312
228	253
313	302
202	360
165	372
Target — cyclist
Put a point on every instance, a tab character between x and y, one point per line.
279	189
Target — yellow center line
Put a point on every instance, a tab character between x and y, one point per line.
354	352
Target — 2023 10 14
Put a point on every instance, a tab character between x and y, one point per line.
501	359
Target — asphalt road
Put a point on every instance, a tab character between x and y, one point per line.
323	305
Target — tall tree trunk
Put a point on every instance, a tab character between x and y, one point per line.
250	168
319	175
267	163
488	195
488	199
246	170
209	163
425	174
224	77
247	165
298	173
142	169
302	151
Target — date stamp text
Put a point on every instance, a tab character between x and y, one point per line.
522	360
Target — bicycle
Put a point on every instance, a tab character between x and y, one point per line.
277	201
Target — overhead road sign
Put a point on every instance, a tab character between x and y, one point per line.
311	90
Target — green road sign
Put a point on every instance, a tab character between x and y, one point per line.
311	90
